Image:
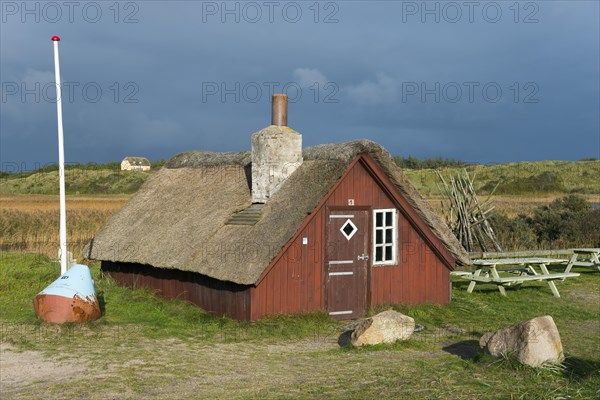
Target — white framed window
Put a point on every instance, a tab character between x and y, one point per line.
385	236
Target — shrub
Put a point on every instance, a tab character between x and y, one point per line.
513	233
545	182
569	221
560	220
589	224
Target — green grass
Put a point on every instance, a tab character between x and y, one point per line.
80	181
519	178
514	178
147	347
23	275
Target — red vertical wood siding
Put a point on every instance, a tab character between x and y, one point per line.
296	281
214	296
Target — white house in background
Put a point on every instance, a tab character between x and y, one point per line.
135	164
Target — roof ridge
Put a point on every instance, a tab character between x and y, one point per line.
342	151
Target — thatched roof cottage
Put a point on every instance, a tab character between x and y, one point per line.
282	229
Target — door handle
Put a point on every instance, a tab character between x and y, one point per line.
362	257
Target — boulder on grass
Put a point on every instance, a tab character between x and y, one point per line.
386	327
534	342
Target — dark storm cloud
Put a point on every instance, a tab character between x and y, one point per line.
156	78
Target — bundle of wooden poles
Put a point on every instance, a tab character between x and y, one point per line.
466	216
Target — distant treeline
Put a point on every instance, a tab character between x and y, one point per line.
411	162
73	166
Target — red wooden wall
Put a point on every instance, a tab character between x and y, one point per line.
213	296
295	282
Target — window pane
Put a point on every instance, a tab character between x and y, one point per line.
378	219
385	235
389	234
388	253
388	218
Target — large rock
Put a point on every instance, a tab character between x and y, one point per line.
534	342
386	327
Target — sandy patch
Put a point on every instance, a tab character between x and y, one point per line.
19	369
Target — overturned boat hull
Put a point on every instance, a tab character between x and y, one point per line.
70	298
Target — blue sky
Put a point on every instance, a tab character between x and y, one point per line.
486	82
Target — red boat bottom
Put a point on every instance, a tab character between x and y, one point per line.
59	309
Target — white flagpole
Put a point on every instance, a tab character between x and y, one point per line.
61	163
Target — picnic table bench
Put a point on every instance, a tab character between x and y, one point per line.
588	257
524	268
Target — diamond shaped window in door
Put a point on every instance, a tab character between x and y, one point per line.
348	229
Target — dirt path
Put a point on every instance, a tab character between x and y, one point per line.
175	369
20	369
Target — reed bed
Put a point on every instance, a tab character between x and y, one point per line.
31	223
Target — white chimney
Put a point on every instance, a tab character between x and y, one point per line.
276	153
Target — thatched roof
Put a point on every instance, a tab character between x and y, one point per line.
178	217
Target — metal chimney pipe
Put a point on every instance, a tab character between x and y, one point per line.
279	109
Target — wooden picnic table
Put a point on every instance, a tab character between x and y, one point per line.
588	257
524	268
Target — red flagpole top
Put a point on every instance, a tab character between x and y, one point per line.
55	39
